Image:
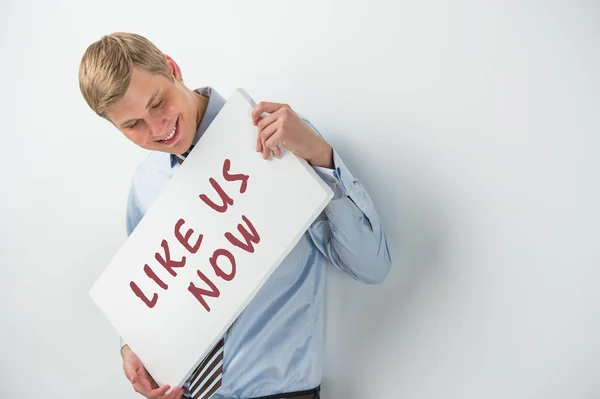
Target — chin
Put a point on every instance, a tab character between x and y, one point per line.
185	145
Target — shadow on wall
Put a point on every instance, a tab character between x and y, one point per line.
360	318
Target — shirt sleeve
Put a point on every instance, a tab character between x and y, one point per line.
132	218
350	231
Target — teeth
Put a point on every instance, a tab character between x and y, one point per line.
170	136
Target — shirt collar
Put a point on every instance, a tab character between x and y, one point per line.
215	103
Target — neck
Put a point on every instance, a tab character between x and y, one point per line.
201	104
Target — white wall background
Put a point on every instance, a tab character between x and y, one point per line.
474	125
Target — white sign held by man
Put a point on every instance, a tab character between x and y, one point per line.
222	225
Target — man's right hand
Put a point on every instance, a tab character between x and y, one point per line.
141	380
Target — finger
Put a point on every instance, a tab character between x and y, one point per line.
266	121
140	388
273	144
176	393
259	147
266	135
264	106
158	392
262	125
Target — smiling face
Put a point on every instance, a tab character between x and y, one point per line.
157	114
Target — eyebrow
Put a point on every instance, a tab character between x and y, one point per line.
124	124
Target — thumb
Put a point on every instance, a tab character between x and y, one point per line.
264	106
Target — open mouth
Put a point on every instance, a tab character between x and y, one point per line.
173	135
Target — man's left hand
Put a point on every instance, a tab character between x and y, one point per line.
284	127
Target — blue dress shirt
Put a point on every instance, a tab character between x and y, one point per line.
275	345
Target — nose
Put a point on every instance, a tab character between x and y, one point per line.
157	125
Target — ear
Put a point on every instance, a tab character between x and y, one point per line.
174	68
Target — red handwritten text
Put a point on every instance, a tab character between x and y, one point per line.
222	260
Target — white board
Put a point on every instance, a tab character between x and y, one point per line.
173	331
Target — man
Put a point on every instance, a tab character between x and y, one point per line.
274	348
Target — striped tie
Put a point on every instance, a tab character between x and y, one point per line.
206	379
185	154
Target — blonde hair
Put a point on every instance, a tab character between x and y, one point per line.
106	66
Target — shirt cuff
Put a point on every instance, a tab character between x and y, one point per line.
338	179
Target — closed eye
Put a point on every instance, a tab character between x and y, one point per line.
158	104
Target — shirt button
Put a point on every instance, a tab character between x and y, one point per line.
334	182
